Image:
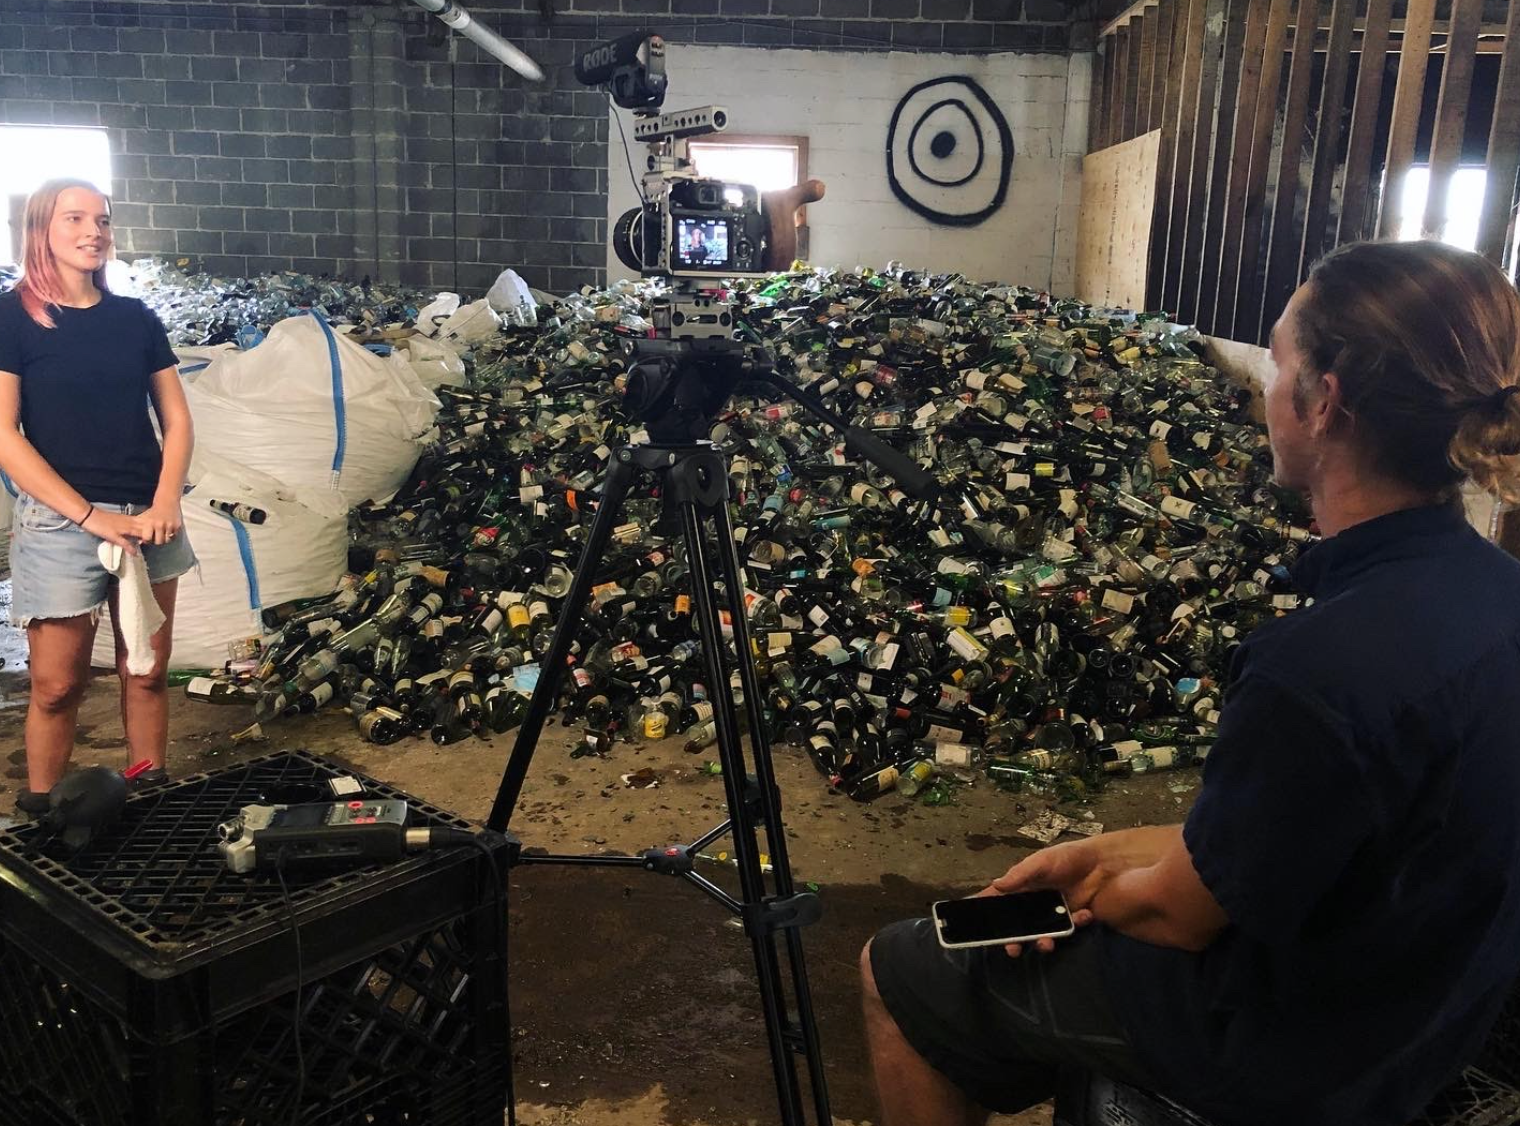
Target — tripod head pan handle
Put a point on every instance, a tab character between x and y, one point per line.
913	480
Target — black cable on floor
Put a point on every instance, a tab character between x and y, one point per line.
296	1114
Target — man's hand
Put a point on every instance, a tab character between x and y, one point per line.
781	217
1074	869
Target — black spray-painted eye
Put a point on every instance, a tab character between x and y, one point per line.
949	152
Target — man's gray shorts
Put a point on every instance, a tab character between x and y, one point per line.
1002	1029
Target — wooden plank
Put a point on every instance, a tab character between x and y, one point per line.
1240	17
1103	127
1451	108
1113	233
1095	106
1166	16
1125	16
1132	77
1245	302
1503	148
1364	118
1327	136
1287	234
1414	55
1191	66
1114	87
1116	96
1166	154
1225	276
1147	70
1206	135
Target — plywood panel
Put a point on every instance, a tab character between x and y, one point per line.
1114	230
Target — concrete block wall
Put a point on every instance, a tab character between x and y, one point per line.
354	138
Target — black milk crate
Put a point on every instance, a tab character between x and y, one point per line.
144	984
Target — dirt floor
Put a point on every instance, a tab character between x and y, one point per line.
634	995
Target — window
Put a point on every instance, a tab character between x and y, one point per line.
30	154
1464	203
769	163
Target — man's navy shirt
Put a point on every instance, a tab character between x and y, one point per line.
84	392
1359	823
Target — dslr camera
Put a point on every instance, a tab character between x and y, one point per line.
688	226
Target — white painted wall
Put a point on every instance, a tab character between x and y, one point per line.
843	102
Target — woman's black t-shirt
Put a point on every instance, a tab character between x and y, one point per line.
84	392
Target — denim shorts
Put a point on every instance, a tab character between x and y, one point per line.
55	566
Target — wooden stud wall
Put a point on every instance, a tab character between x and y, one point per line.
1267	155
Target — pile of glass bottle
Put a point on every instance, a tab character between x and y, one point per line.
1107	537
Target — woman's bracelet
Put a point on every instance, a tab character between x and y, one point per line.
80	522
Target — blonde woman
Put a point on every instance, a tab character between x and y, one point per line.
80	369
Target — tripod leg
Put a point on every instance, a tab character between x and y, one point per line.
770	806
619	477
746	846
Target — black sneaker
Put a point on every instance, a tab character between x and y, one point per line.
147	780
32	803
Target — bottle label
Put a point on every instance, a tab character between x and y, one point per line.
322	693
818	616
1159	430
1015	481
965	646
940	734
1002	627
654	724
777	643
517	615
1177	506
702	710
1285	602
952	754
683	604
1118	601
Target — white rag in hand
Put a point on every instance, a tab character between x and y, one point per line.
137	613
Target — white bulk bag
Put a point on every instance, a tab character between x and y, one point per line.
315	410
300	551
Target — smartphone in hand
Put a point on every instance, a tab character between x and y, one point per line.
997	920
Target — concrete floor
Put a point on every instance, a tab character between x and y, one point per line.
634	998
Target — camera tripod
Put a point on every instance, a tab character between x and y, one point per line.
678	388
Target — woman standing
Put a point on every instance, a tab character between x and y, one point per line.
79	367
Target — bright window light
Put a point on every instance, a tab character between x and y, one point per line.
768	167
1464	203
30	154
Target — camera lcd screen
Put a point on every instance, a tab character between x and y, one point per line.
701	242
1002	917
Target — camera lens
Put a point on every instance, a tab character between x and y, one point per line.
627	240
720	119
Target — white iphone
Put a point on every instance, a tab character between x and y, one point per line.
997	920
